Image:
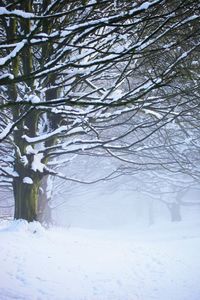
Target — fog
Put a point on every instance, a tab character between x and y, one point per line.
128	201
124	202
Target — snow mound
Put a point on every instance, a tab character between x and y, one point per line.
22	226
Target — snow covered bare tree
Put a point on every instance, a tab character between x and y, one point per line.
65	76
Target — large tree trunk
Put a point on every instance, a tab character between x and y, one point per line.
26	200
26	194
26	185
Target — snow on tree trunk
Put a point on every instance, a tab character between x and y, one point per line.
44	209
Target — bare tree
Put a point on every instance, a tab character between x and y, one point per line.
65	73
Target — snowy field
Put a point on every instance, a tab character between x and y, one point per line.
160	262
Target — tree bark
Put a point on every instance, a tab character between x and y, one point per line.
26	200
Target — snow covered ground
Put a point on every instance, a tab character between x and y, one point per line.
160	262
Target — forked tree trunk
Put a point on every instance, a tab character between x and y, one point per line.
27	195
